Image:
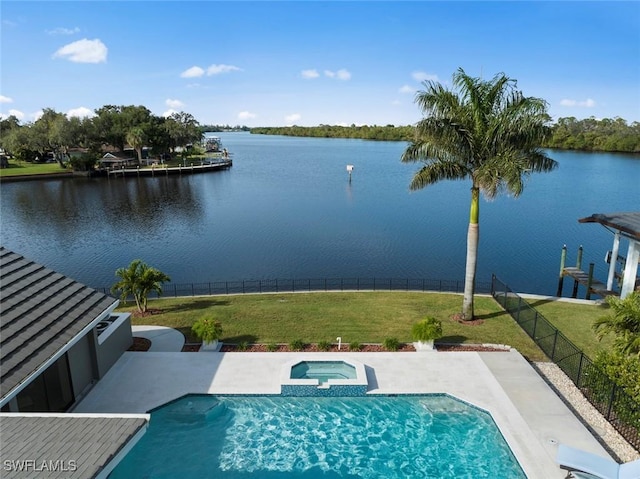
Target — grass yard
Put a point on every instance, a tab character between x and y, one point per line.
366	317
24	168
575	320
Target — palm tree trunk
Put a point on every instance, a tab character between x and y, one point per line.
473	235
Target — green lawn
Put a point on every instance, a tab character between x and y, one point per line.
575	320
366	317
24	168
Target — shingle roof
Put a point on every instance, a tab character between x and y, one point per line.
65	446
41	311
628	223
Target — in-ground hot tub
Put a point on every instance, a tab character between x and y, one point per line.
323	377
323	371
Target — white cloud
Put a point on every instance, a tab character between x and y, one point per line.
173	103
36	115
63	31
291	119
406	89
310	74
246	115
81	112
5	99
341	74
17	113
169	112
192	72
588	103
222	68
424	76
83	51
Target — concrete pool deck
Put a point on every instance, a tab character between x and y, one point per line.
532	418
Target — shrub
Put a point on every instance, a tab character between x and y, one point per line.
355	346
207	329
428	329
242	346
324	345
272	347
391	344
296	345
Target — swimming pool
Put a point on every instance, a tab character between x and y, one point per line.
368	437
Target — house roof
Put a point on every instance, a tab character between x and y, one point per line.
70	446
628	223
42	313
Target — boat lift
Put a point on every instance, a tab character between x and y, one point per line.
622	225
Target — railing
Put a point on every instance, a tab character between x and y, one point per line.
609	399
326	284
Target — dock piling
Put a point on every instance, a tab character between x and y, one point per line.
574	293
563	258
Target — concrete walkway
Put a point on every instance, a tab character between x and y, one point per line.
529	414
163	339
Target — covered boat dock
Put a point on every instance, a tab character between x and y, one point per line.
623	226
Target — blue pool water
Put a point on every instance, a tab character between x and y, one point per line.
323	370
330	438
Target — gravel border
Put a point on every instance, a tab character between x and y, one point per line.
604	432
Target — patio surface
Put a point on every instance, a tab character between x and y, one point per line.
531	417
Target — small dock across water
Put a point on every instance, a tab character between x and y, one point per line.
204	167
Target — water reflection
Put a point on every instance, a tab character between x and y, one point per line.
79	206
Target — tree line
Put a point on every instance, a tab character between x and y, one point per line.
589	134
113	128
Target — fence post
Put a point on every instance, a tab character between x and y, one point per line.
277	285
553	351
209	289
580	371
260	286
243	286
226	287
325	284
535	325
309	284
175	290
519	309
374	283
193	291
611	400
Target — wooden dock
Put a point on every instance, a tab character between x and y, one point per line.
594	286
173	170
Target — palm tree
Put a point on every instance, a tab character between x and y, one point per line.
138	280
485	131
623	322
136	138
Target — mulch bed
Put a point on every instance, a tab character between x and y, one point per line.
142	344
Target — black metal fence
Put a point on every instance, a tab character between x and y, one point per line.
326	284
609	399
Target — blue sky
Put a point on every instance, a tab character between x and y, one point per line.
273	63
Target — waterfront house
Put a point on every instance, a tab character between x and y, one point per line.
59	337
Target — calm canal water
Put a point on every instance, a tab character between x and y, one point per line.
287	210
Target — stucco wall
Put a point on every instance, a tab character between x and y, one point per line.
110	350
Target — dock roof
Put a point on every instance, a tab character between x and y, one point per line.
627	223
